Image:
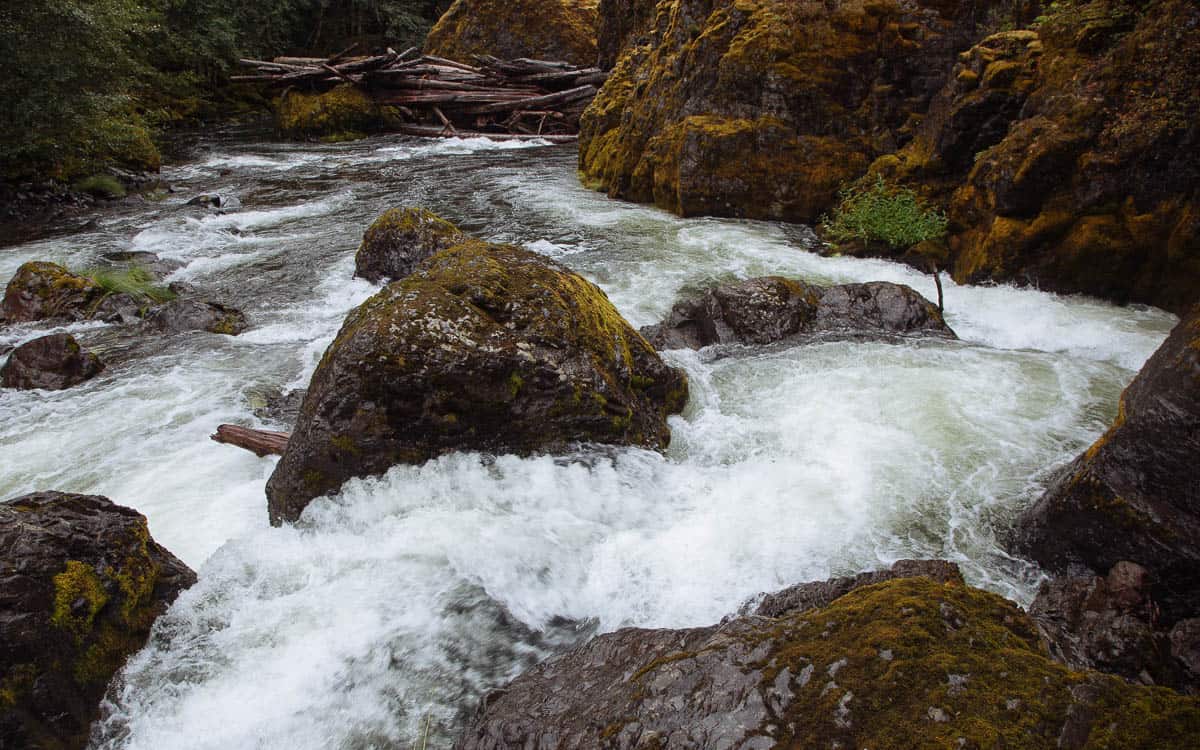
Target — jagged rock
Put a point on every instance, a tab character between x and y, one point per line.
561	30
190	314
484	347
400	239
805	596
47	291
772	308
1134	495
81	582
910	662
51	362
1109	624
764	109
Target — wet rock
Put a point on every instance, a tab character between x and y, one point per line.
51	362
1133	495
191	314
817	679
400	239
81	582
205	201
484	347
47	291
279	407
805	596
157	267
770	309
563	30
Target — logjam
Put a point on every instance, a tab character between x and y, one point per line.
520	98
259	442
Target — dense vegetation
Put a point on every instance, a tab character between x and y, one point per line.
92	82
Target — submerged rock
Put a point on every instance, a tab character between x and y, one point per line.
51	362
561	30
81	582
484	347
191	314
47	291
1134	494
400	239
770	309
910	662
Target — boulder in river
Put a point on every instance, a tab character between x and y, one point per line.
400	239
906	663
189	312
771	308
51	362
47	291
484	347
559	30
1135	493
81	582
342	113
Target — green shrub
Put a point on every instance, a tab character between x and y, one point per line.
102	186
880	212
136	282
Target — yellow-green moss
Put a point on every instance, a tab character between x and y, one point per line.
77	582
543	29
341	110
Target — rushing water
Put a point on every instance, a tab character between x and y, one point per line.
380	619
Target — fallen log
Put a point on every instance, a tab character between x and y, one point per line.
258	442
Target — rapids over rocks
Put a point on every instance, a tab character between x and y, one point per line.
382	617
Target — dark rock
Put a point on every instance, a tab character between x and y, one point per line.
81	582
281	408
51	362
622	22
906	663
189	314
805	596
1134	494
47	291
772	308
205	201
1185	647
484	347
1109	624
400	239
149	262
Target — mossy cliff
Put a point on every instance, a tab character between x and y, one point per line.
483	347
908	663
1067	157
541	29
764	108
82	582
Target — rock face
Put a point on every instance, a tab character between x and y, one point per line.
1134	494
622	23
764	108
484	347
562	30
772	308
47	291
51	362
910	662
400	239
81	582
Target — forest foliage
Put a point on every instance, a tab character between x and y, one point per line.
91	83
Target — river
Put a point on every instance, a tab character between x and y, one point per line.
381	619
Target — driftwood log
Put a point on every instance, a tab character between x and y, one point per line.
259	442
440	97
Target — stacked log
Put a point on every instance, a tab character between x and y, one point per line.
495	98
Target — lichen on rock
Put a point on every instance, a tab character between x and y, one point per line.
47	291
399	240
561	30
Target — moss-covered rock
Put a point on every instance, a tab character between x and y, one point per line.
484	347
909	663
342	113
47	291
542	29
81	583
400	239
764	108
1134	495
622	23
51	362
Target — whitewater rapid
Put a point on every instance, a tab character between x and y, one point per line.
380	619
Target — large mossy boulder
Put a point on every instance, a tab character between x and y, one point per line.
47	291
1134	495
908	663
342	113
562	30
765	108
81	583
772	309
51	363
1068	158
399	240
484	347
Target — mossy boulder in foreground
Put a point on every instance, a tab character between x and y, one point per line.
563	30
51	362
908	663
81	582
400	239
484	347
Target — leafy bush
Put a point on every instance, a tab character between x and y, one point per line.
881	212
136	282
